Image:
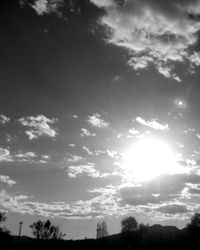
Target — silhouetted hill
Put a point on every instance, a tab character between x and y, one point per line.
154	237
22	239
162	233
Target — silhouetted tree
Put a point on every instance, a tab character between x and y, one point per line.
142	227
195	220
46	230
194	227
3	218
129	224
102	230
5	238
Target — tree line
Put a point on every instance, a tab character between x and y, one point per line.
46	230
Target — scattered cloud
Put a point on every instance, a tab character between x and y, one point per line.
105	201
5	155
9	138
153	124
39	126
86	133
134	131
113	154
101	205
75	116
5	179
89	170
87	150
75	158
26	155
4	119
29	157
166	188
96	121
46	7
45	157
154	32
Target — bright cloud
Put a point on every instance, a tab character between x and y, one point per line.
152	124
5	155
46	7
4	119
154	32
87	133
39	126
87	150
96	121
75	158
134	131
88	169
29	157
26	155
5	179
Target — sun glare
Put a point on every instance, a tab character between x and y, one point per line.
148	159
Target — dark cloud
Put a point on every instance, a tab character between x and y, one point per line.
154	32
161	189
194	191
173	209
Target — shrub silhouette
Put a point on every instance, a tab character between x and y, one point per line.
46	230
3	218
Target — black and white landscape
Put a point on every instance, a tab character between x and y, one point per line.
100	121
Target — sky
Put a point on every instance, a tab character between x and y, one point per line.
99	113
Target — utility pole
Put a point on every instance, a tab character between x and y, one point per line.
20	228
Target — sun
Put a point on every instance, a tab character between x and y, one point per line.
148	159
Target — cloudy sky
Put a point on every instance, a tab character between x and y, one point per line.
99	112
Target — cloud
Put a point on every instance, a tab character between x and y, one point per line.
26	155
40	126
89	170
14	203
103	3
30	157
5	179
87	150
101	205
5	155
86	133
164	188
153	124
173	209
75	158
154	32
4	119
104	202
134	131
47	6
61	8
96	121
113	154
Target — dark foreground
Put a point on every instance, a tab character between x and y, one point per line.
153	237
